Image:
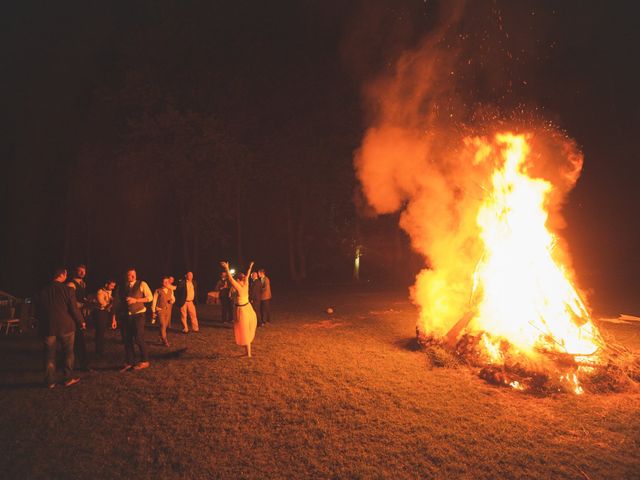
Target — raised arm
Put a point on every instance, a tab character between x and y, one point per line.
249	271
233	281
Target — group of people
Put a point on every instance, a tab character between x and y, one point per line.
64	308
259	295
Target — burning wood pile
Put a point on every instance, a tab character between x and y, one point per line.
614	368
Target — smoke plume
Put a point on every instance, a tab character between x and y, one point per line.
421	155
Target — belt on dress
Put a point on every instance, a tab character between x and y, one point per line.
243	305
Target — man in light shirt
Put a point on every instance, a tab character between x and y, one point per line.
104	314
163	300
131	317
186	295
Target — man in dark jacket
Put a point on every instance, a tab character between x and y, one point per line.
59	317
255	294
223	287
79	286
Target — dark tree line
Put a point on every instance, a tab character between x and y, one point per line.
169	136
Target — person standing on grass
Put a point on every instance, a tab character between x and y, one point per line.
265	297
223	287
255	292
59	319
163	300
131	317
79	285
233	298
173	287
104	315
186	295
244	326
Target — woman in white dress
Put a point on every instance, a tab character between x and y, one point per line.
244	326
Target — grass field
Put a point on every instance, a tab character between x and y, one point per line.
341	396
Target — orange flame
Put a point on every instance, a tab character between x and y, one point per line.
524	295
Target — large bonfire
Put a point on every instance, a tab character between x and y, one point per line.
481	198
523	306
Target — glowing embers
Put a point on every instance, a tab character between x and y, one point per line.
501	363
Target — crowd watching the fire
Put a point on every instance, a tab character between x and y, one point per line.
66	310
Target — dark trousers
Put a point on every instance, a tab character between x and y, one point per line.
50	343
265	311
80	348
227	310
101	320
132	329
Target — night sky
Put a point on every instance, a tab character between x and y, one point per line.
158	134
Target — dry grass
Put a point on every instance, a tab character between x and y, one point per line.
352	397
